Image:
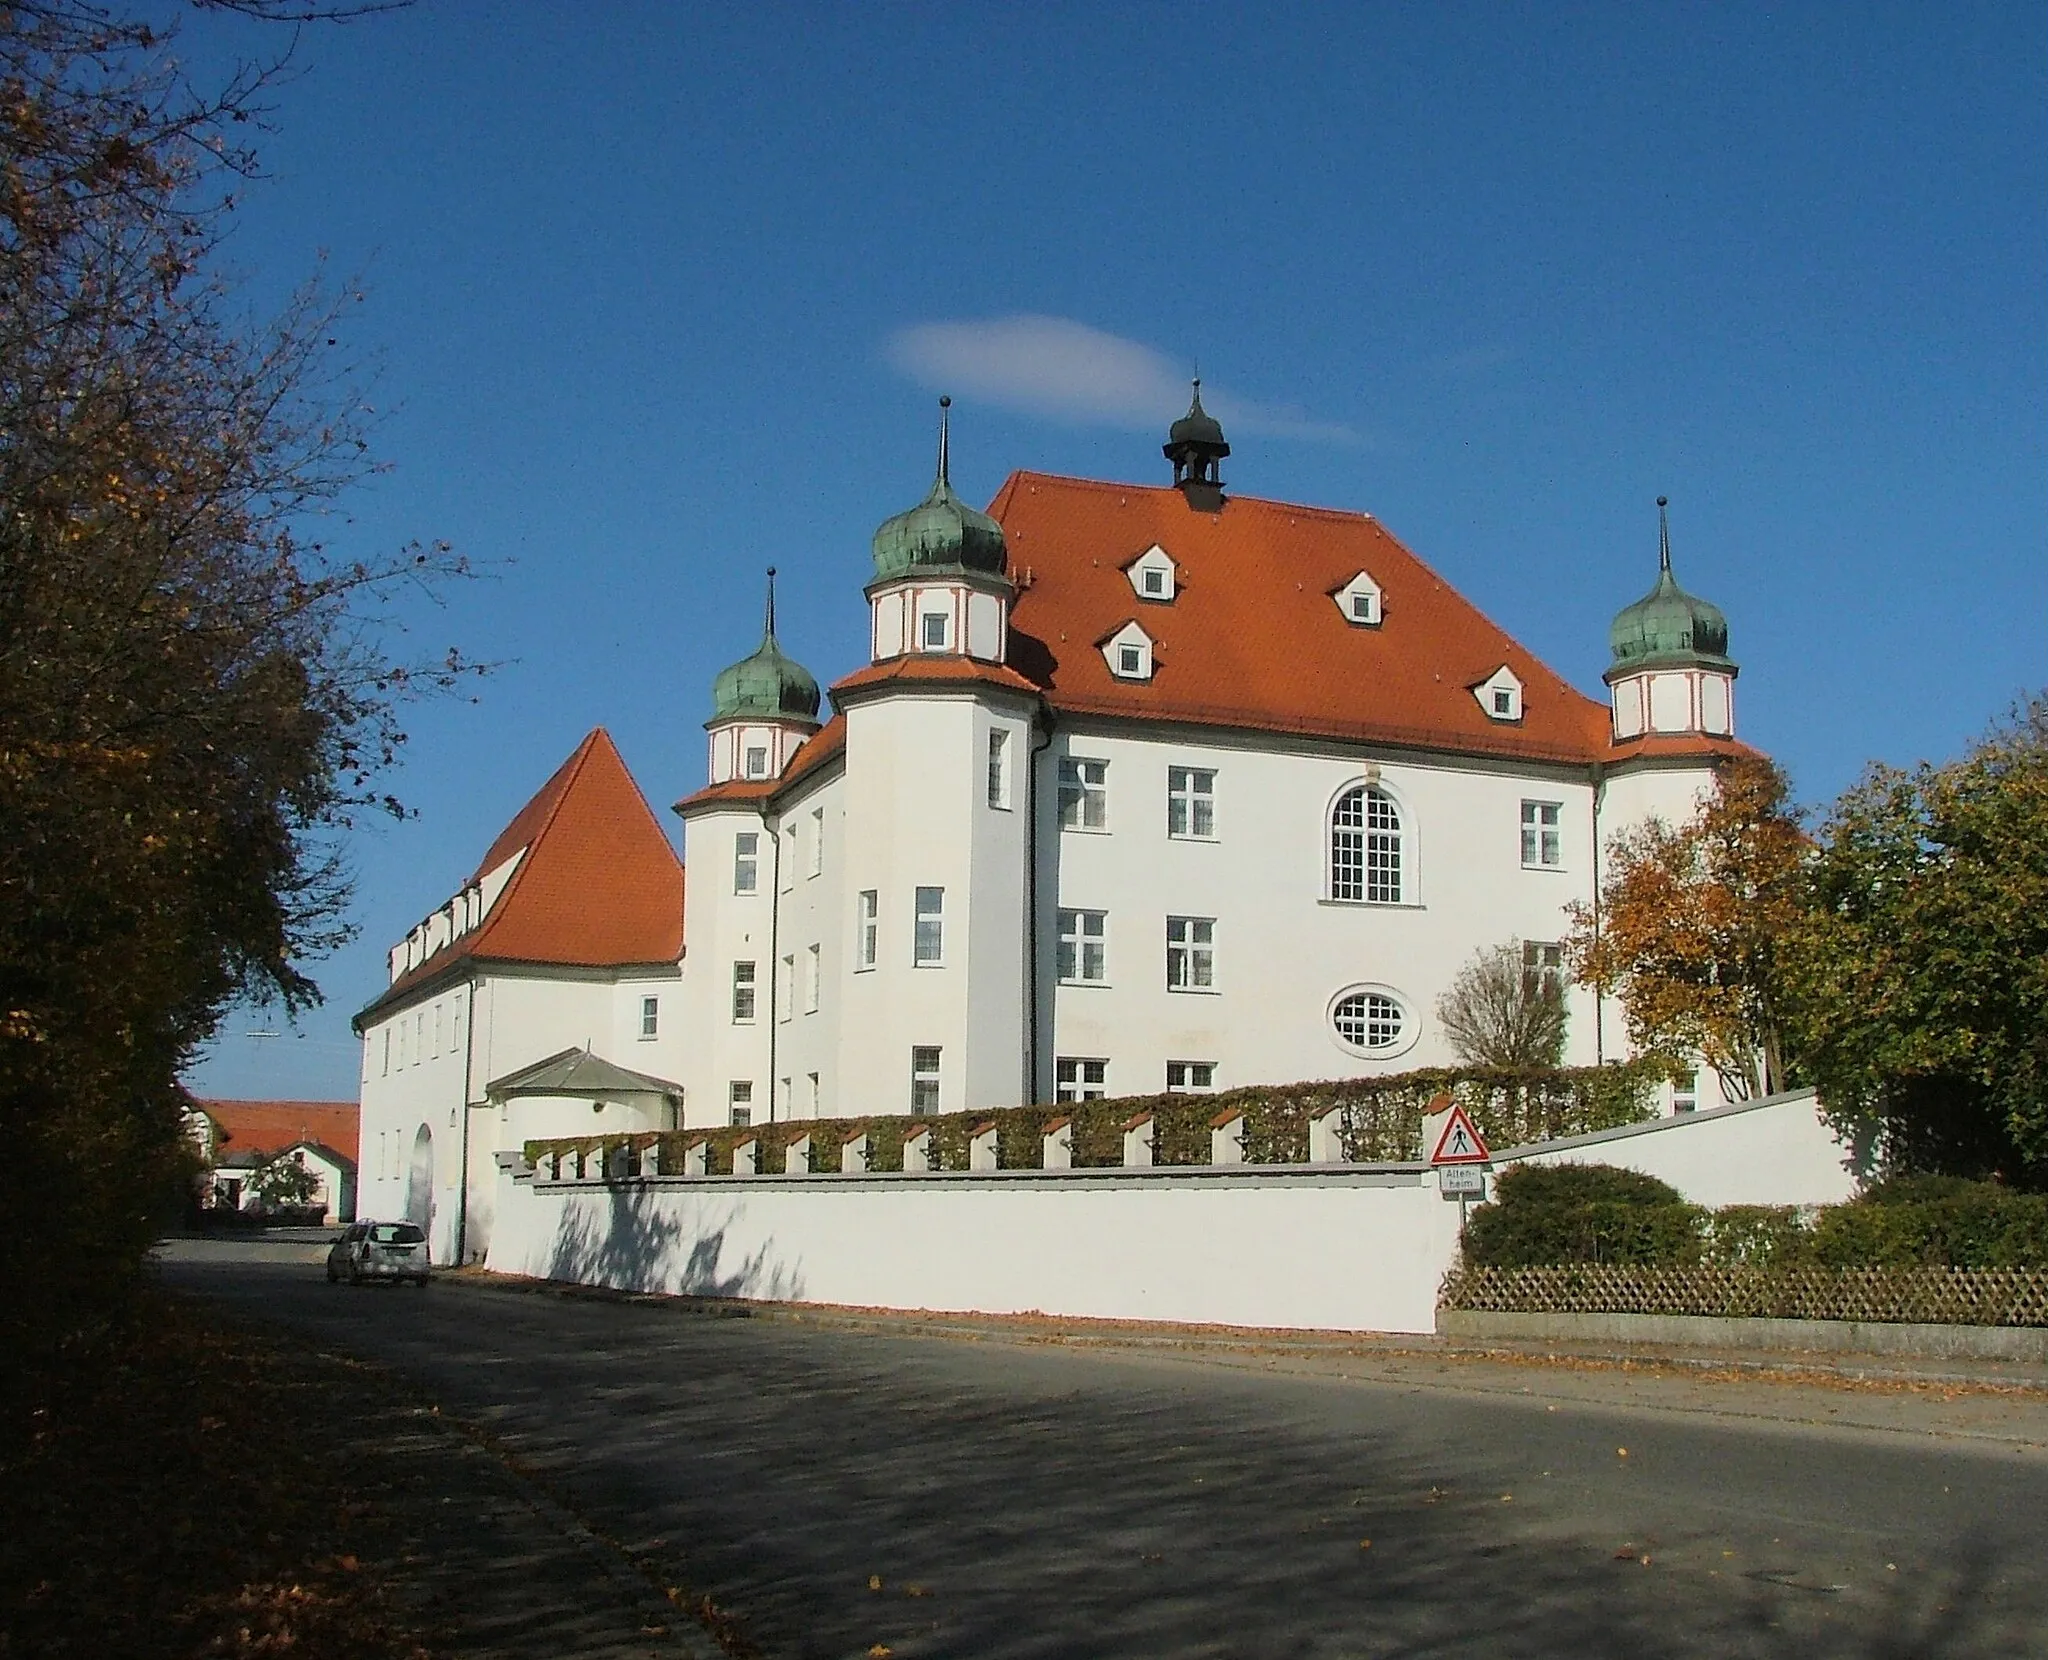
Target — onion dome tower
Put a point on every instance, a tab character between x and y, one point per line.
1196	446
1671	672
941	583
762	708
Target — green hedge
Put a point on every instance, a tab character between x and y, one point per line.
1543	1214
1380	1121
1558	1215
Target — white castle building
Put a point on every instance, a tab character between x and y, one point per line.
1143	788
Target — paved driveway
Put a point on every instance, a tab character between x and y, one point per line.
1019	1499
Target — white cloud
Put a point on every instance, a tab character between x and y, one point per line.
1056	366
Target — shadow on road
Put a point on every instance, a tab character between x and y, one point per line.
1018	1501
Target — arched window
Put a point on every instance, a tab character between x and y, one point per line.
1369	1020
1367	856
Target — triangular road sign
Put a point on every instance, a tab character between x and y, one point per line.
1460	1142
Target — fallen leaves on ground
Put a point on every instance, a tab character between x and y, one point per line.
178	1492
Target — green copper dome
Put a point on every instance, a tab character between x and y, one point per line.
1198	427
941	533
768	685
1668	626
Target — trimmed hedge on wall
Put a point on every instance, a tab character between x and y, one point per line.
1560	1215
1379	1121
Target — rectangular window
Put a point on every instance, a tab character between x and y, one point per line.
1685	1092
1542	836
788	1098
1191	802
934	631
924	1079
742	994
746	861
742	1101
1130	660
870	927
1084	794
404	1042
383	1153
1190	1077
757	760
998	768
419	1038
387	1052
785	987
650	1016
818	841
1080	1079
1083	947
786	856
929	942
817	1097
455	1029
1190	953
1543	964
812	974
437	1031
1155	580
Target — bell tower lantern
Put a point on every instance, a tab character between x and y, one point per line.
941	587
1196	446
1671	673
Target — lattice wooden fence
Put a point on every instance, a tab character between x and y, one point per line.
1931	1296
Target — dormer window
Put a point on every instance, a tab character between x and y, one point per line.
1129	653
1360	601
1500	695
1152	574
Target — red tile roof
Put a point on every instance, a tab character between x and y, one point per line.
1254	639
272	1126
599	886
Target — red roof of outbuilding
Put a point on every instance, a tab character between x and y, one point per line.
1254	638
598	885
272	1126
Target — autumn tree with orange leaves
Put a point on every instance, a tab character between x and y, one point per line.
197	688
1690	931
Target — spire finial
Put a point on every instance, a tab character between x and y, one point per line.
945	446
1663	536
768	621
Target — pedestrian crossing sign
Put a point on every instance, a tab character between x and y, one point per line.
1459	1142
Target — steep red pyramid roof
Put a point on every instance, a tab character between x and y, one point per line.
1253	637
598	885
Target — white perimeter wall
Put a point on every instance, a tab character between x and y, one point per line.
1334	1247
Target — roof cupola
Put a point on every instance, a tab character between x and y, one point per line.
1671	671
1668	626
941	533
1196	446
769	685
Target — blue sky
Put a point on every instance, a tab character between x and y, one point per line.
662	295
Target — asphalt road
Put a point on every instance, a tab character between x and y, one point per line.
1021	1499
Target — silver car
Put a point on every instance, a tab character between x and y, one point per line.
366	1251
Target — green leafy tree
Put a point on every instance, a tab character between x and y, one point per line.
1503	1011
1688	934
283	1181
196	692
1919	977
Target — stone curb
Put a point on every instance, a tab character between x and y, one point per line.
1160	1337
2027	1345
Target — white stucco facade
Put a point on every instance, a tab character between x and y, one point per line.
975	886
